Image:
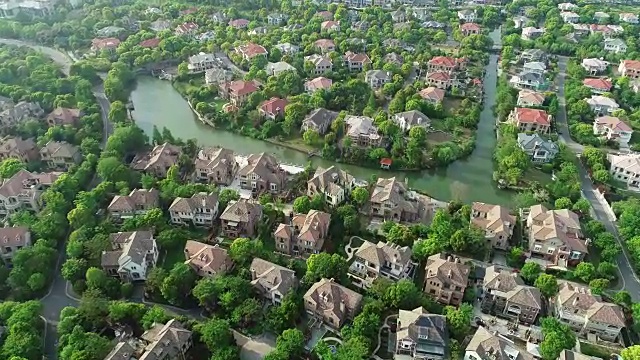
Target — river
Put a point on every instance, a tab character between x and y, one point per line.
158	103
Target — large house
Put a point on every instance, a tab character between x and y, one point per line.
333	184
60	155
237	91
528	79
381	260
240	218
137	203
362	132
201	62
207	260
13	239
13	114
273	108
132	255
555	237
316	84
200	209
332	303
569	17
467	15
602	105
215	165
539	150
587	314
470	29
356	61
615	45
432	95
377	78
528	98
262	173
250	51
421	335
61	116
613	129
158	161
18	148
304	235
171	340
107	44
272	281
506	295
22	191
598	85
491	345
530	120
595	66
392	200
277	68
440	79
321	63
495	221
325	45
409	119
444	63
445	279
319	120
626	168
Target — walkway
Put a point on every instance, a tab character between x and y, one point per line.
385	325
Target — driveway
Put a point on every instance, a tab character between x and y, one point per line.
254	349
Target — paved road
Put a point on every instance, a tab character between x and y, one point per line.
628	279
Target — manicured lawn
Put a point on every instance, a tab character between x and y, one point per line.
596	350
218	103
170	258
534	174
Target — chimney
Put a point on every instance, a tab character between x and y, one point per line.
498	284
449	274
253	274
449	258
575	300
457	260
342	306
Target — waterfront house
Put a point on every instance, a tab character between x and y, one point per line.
630	68
240	219
275	69
506	296
158	161
239	23
61	116
527	79
470	29
530	120
273	108
22	191
392	200
377	78
529	98
137	203
108	44
319	83
13	239
381	260
262	173
421	335
439	79
587	314
629	18
540	150
615	45
319	120
555	237
321	64
491	345
13	114
132	255
569	17
356	61
201	62
215	165
362	132
626	168
613	129
207	260
304	235
325	45
598	85
332	303
495	221
276	18
467	15
249	51
217	76
18	148
432	95
445	279
596	66
409	119
237	91
602	105
272	281
200	209
60	155
187	29
333	184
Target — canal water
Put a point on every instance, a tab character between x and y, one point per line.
158	103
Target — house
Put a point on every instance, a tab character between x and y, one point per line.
330	26
569	17
18	148
201	62
237	91
531	33
215	165
333	184
170	339
539	150
598	85
319	120
288	48
219	18
22	191
133	254
596	66
276	18
567	6
187	29
526	79
259	30
491	345
506	295
321	64
392	200
327	15
19	112
626	168
533	55
273	108
160	25
528	98
207	260
433	25
13	239
602	105
158	161
240	219
332	303
60	155
107	44
239	24
381	260
601	16
615	45
275	69
421	335
432	95
137	203
150	43
519	21
446	278
217	76
555	237
399	15
630	68
360	26
535	66
443	63
495	221
325	45
613	129
377	78
530	120
356	62
572	355
629	18
262	173
200	209
393	58
61	116
410	119
470	29
250	51
362	132
467	15
304	235
439	79
319	83
272	281
587	314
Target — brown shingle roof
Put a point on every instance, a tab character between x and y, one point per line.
241	211
138	199
447	269
383	252
326	296
14	236
197	201
207	258
268	276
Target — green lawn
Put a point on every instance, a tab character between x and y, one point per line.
596	350
170	258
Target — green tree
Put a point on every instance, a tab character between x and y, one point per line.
177	286
530	272
325	265
631	353
403	295
547	284
598	286
623	298
10	167
563	203
227	195
243	250
302	204
459	320
585	271
557	337
360	195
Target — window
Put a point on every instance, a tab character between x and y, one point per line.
274	187
551	250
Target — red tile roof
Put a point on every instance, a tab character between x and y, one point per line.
357	57
251	50
240	87
439	76
329	24
319	83
631	64
470	27
598	84
150	43
432	93
386	161
443	61
324	43
186	28
613	123
239	23
274	106
524	115
107	43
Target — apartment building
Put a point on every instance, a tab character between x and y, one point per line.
133	254
386	260
446	278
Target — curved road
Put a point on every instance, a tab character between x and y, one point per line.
628	278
